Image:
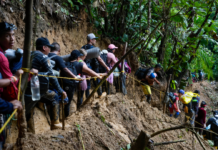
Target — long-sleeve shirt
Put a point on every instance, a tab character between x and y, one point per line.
5	107
42	63
201	118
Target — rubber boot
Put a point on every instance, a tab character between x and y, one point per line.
149	99
30	122
55	123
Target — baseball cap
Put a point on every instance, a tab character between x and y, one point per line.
74	55
112	46
91	36
43	42
158	66
181	91
152	76
197	91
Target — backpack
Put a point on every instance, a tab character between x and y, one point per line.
140	73
195	103
72	68
104	58
172	97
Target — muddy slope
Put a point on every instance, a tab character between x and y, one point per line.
112	123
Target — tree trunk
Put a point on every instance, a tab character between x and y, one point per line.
26	64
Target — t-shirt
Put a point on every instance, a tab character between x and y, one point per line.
6	73
59	62
149	71
78	66
111	59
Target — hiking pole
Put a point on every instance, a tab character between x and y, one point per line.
166	94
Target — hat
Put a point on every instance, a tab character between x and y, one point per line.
152	76
43	42
197	91
181	91
74	55
203	103
91	36
112	46
158	66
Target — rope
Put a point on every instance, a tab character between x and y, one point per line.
11	116
27	70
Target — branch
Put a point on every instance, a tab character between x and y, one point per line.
198	139
169	129
26	64
170	142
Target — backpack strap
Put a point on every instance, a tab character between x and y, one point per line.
52	56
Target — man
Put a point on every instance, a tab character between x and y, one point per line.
7	40
42	63
78	68
59	62
94	63
214	127
145	76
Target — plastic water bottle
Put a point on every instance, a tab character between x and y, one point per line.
78	76
35	89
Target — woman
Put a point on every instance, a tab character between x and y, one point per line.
201	118
111	61
83	85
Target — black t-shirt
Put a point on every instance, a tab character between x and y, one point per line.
59	62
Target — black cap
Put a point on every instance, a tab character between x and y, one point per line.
158	66
74	55
43	42
197	91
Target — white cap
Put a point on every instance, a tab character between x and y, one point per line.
91	36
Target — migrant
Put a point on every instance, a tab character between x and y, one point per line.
148	77
94	64
42	63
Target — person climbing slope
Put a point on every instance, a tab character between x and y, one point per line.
148	77
195	101
201	118
187	105
94	64
174	104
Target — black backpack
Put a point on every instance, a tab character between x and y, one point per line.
104	58
72	68
140	73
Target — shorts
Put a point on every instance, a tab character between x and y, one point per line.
146	89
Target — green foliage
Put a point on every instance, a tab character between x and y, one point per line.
185	24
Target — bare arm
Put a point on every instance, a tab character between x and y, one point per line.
69	73
4	82
177	105
156	81
90	72
102	63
